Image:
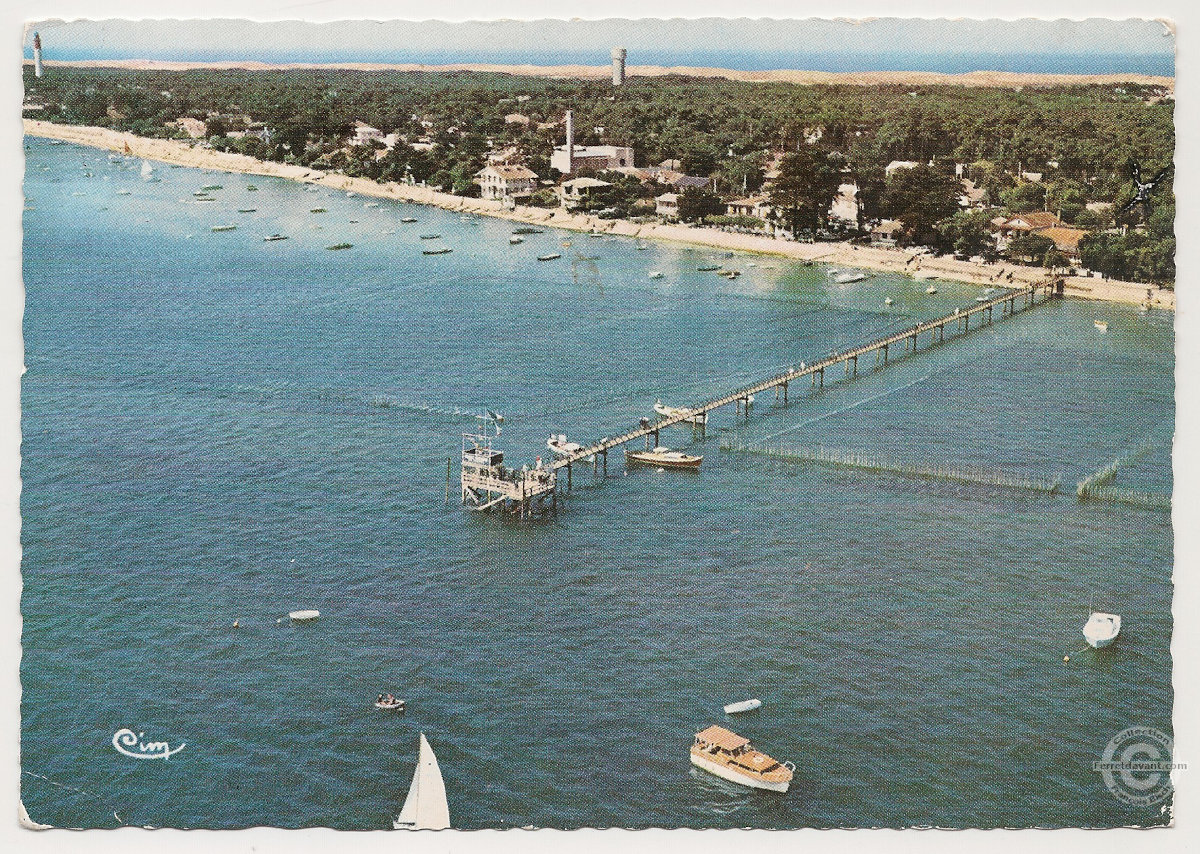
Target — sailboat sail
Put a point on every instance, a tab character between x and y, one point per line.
425	808
147	169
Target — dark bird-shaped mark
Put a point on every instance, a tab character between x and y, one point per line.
1144	188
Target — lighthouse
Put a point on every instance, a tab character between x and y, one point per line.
37	55
618	66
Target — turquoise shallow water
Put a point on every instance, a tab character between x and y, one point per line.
218	429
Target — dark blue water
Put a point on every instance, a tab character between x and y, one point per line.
219	429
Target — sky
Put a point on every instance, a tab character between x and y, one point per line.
1087	46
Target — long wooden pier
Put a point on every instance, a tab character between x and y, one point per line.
1010	302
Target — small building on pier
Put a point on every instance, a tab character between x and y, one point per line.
487	482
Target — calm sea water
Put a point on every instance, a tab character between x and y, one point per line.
218	428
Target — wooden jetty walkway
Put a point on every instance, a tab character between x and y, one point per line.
487	483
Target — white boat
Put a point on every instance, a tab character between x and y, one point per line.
981	299
924	275
425	808
731	757
661	408
847	278
304	616
515	239
931	290
1102	325
664	458
394	706
147	169
888	301
743	706
561	447
656	275
1101	629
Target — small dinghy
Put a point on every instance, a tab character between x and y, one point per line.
408	219
425	808
744	706
516	239
304	616
656	275
1102	325
849	278
708	268
550	257
1101	629
888	301
430	236
931	290
316	210
229	227
443	251
393	705
271	237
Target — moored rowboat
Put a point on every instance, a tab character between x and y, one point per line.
665	458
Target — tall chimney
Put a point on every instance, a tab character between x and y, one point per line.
37	55
618	66
570	143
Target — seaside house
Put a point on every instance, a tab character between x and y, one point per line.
667	205
505	181
1066	240
1027	223
364	133
194	128
886	232
972	197
758	207
845	204
575	192
505	155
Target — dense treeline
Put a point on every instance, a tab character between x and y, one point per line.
1082	139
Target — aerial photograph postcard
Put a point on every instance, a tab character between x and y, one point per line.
661	423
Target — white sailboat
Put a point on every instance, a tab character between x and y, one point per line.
425	808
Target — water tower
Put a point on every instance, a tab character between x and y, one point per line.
618	66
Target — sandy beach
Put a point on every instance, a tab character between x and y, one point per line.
872	258
600	72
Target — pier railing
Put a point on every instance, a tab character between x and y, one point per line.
936	328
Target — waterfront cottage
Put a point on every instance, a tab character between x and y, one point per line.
758	207
505	181
364	133
1065	239
886	232
574	192
667	205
